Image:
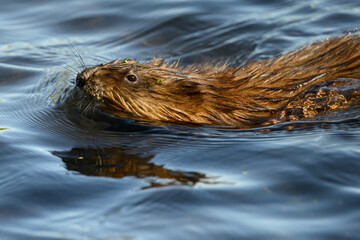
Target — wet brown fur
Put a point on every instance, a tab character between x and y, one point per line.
302	84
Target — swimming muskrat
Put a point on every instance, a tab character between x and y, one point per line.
315	80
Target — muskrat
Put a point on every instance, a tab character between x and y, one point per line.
314	80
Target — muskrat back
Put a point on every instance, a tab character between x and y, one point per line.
314	80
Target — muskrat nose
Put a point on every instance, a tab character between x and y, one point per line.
80	80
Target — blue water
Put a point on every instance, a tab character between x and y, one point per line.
67	176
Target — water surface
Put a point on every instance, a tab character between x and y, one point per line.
67	176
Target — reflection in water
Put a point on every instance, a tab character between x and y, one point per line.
119	163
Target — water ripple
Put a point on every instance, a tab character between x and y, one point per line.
69	176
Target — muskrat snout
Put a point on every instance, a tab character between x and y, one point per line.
80	80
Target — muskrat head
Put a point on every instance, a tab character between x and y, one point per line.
151	91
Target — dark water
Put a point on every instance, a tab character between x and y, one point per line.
66	176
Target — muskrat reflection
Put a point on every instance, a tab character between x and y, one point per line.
118	163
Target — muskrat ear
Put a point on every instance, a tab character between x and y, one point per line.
187	87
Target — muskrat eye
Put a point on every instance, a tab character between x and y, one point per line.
131	78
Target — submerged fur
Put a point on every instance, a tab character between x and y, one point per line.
314	80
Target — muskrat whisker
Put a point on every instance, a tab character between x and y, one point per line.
75	51
70	68
81	58
93	112
78	62
87	107
80	103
